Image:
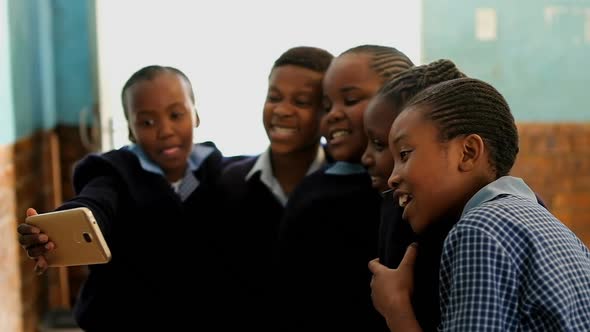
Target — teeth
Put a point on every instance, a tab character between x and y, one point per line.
339	133
282	130
403	200
170	151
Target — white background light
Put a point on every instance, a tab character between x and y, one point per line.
227	48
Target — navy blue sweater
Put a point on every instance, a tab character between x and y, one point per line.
327	238
249	222
395	235
153	237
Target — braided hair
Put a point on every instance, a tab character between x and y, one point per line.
385	61
311	58
149	73
467	106
407	84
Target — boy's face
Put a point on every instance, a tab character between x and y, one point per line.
377	158
426	175
349	84
161	120
292	110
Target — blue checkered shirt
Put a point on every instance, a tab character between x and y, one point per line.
509	265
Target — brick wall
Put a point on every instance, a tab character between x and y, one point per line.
71	150
10	304
34	187
554	159
33	172
25	182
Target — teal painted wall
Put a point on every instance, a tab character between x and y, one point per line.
46	72
28	61
539	60
46	65
74	79
7	130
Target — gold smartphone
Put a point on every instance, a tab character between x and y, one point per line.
76	235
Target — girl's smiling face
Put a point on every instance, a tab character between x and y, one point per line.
377	158
293	109
348	85
426	177
161	119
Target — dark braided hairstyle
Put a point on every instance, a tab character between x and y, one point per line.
311	58
149	73
407	84
467	106
385	61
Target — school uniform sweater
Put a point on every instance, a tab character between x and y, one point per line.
153	236
327	237
395	234
251	217
253	206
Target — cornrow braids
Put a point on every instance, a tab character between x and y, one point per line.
385	61
408	83
311	58
467	106
149	73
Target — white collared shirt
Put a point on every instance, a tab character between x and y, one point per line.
264	166
185	186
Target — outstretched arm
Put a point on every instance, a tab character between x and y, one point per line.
99	195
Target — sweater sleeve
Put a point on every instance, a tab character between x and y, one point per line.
98	187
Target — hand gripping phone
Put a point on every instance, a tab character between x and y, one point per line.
76	235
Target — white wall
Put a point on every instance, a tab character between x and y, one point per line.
227	48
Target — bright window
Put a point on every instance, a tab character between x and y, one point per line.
227	48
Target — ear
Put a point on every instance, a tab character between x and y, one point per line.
198	120
472	151
131	137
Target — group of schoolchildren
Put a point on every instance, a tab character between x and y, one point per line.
406	219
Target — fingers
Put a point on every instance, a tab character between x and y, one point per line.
41	265
29	235
27	229
32	240
35	243
31	212
375	266
40	250
410	256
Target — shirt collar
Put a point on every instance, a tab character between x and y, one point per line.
263	166
318	162
504	185
345	168
198	154
189	182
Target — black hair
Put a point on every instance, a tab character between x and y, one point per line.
467	106
311	58
149	73
385	61
410	82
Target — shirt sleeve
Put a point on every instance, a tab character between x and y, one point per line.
479	284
